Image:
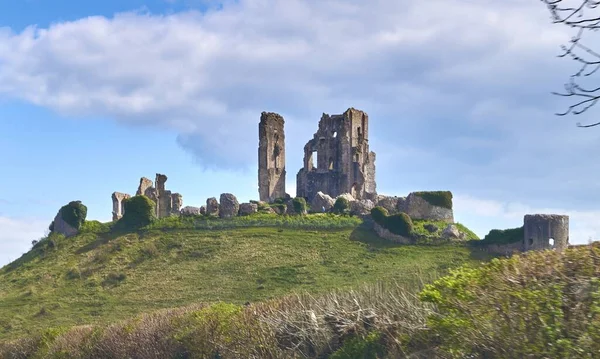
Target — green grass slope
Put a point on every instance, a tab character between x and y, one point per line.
101	277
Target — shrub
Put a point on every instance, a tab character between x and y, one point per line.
365	348
503	236
399	224
341	205
379	214
73	214
437	198
539	304
299	204
95	227
139	212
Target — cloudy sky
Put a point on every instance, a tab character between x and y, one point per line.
94	95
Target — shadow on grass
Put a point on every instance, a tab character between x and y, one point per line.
104	238
364	233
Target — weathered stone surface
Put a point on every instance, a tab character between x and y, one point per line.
163	200
247	209
177	202
282	209
202	210
289	208
540	228
322	202
361	207
344	162
118	207
431	228
145	185
451	232
60	226
347	196
418	208
390	203
229	205
385	234
212	206
271	157
190	211
507	249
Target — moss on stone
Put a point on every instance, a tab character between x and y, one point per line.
437	198
73	214
300	206
341	205
379	214
503	236
140	211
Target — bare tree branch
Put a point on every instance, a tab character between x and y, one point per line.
584	17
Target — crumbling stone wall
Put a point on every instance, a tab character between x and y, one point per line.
344	163
163	199
271	157
418	208
146	188
176	203
539	228
118	207
167	203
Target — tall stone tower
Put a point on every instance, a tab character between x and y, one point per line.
271	157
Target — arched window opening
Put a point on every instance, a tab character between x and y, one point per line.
330	163
334	134
551	242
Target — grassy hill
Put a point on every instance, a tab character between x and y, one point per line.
101	276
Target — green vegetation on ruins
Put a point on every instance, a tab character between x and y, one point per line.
104	275
437	198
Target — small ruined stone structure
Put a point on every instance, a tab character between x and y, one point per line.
271	157
344	162
118	208
167	203
540	228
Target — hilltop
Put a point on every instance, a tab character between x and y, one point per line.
103	275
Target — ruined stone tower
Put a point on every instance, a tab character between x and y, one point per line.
540	228
271	157
344	162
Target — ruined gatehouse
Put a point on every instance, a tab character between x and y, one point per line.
344	163
271	157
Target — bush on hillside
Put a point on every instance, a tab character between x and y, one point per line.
299	204
437	198
539	304
73	214
379	214
399	224
140	211
341	205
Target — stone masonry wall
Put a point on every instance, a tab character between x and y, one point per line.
271	157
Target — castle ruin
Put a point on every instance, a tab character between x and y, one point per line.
167	203
271	157
344	162
540	229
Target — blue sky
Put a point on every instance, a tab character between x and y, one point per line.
94	95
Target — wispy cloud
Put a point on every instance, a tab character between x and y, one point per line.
16	235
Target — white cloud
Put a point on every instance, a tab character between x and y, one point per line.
456	101
16	235
209	75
